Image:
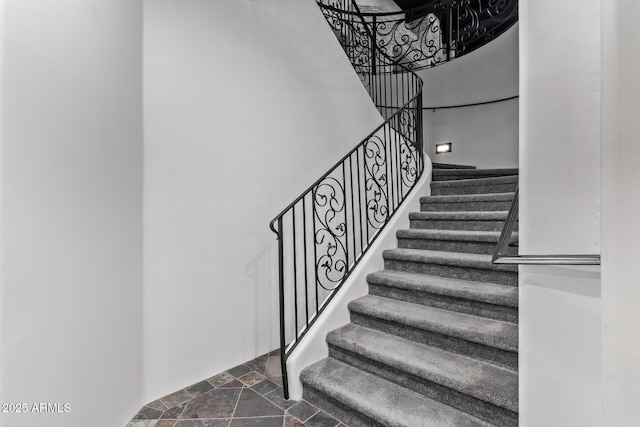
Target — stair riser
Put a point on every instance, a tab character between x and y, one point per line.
453	246
456	177
456	345
337	408
465	206
450	175
469	225
499	416
472	189
476	308
451	166
456	272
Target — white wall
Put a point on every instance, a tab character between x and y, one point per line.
72	210
620	207
246	104
486	135
560	308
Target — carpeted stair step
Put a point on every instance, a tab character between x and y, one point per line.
450	166
478	388
467	202
502	184
489	300
475	242
450	174
471	220
474	267
485	339
361	399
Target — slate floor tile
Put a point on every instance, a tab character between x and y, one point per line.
199	388
273	368
248	395
142	423
217	403
258	364
239	371
202	423
257	422
175	399
174	413
220	379
265	387
251	379
232	384
302	410
277	398
321	420
290	421
147	413
156	404
251	404
277	380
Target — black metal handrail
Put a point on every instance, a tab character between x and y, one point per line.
474	104
325	231
501	256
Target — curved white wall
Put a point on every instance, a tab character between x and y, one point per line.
246	104
487	135
71	211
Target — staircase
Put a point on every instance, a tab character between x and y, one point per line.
435	343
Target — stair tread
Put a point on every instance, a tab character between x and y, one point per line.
472	377
462	259
490	293
493	180
461	215
456	235
466	198
381	400
481	330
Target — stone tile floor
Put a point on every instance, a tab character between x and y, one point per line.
249	395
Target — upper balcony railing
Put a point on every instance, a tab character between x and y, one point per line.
431	34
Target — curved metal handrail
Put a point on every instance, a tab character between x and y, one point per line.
339	162
325	231
474	104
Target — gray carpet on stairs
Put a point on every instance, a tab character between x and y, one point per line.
435	343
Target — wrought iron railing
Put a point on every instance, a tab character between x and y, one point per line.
438	31
325	232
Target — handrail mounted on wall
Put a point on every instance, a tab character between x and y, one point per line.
499	256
